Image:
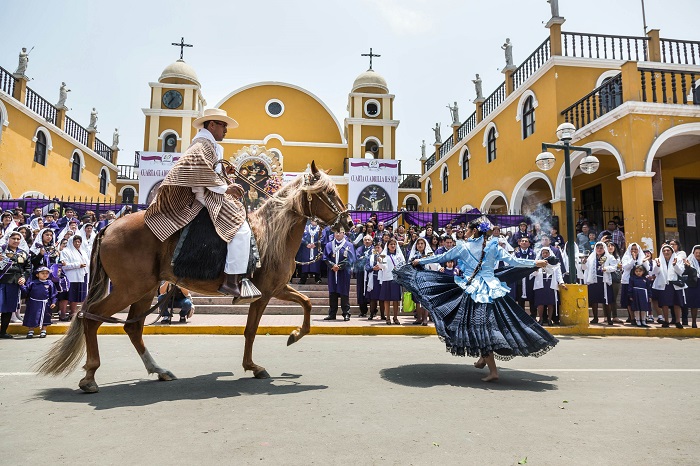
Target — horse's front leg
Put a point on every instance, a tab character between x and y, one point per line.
254	314
135	332
290	294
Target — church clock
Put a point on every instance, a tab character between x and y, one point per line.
172	99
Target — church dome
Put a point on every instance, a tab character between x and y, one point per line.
370	78
179	70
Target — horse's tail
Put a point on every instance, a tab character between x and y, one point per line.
66	353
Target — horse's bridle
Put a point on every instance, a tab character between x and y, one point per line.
326	200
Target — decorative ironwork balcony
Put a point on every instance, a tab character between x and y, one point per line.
103	150
445	147
585	45
7	81
494	100
532	63
77	132
430	162
41	106
669	86
467	127
596	103
671	50
409	181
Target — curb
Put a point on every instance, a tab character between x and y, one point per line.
112	329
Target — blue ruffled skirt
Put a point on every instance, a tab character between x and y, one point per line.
501	327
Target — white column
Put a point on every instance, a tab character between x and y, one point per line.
153	134
386	141
357	150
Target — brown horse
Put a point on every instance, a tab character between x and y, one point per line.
129	255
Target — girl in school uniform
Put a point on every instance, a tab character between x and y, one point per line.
670	291
546	283
692	293
41	298
75	266
632	258
390	291
638	295
373	285
597	275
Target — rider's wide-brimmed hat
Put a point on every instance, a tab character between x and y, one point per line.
215	114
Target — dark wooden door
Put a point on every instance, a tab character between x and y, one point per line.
688	202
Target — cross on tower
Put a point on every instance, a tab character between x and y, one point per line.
182	46
370	55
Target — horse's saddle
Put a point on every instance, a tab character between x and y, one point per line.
200	253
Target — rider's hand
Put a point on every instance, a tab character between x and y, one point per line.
230	170
235	190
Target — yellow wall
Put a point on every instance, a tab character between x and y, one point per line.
21	174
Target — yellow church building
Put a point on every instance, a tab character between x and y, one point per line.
634	102
39	141
282	128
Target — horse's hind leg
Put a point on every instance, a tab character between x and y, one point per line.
290	294
135	332
254	314
109	306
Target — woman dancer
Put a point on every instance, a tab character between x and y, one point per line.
473	313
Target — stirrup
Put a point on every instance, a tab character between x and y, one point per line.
249	292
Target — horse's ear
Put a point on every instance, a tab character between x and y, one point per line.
314	170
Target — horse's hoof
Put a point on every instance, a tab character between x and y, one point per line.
89	387
261	374
166	376
292	339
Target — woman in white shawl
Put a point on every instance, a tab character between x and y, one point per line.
670	291
372	285
692	293
71	226
596	274
23	242
419	250
88	236
633	257
44	251
546	286
390	291
75	266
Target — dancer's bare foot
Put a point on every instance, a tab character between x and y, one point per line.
491	378
480	364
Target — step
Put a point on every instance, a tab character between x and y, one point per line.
292	309
223	300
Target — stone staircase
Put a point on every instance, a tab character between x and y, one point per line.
317	293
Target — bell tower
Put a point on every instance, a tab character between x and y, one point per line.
176	100
370	127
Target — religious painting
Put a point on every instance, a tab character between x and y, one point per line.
260	174
374	198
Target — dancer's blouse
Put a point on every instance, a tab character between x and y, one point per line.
484	287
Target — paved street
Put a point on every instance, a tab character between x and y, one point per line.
356	400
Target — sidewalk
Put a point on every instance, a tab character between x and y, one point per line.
234	324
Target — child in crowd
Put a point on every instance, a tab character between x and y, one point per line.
390	291
638	295
373	286
546	283
41	298
449	268
62	285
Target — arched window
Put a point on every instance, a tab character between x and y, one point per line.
40	148
491	146
429	191
128	196
75	167
445	182
170	142
411	204
528	117
103	182
465	165
371	149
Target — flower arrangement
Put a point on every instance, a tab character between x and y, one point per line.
273	184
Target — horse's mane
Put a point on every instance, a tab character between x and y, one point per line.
280	213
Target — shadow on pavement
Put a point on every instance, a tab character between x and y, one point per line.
201	387
460	375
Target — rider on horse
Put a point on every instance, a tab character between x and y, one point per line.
192	184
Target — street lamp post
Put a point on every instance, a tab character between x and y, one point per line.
588	165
